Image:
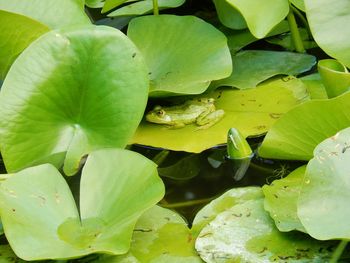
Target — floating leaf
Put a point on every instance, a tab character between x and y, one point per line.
315	86
328	20
261	18
299	4
144	6
229	16
281	199
111	4
56	98
94	3
323	206
253	67
37	205
16	33
251	111
299	131
52	13
246	233
183	53
335	77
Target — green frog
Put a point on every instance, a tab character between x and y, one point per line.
200	111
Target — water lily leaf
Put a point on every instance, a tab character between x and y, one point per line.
144	6
52	13
246	233
261	17
315	86
335	77
250	111
63	101
323	206
16	33
160	235
229	16
299	4
37	205
281	199
328	20
111	4
184	54
299	131
95	3
253	67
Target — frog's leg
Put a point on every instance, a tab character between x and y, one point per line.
210	119
177	125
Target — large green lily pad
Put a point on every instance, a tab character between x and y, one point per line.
315	86
183	53
261	17
323	206
16	33
299	131
229	16
57	99
251	111
328	20
37	205
254	66
246	233
281	199
52	13
299	4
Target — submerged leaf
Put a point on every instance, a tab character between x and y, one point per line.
253	67
183	53
57	98
323	206
37	205
251	111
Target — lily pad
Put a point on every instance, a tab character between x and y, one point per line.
335	77
144	6
16	33
95	3
183	53
299	4
52	13
246	233
328	20
261	17
315	86
299	131
281	199
111	4
253	67
229	16
62	106
323	206
250	111
37	205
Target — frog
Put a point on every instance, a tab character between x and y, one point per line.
199	111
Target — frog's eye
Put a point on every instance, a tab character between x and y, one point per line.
160	113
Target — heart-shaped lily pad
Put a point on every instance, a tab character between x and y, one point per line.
16	33
37	205
251	111
229	16
299	131
323	206
73	90
183	53
52	13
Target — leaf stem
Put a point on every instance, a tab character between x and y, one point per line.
296	38
338	251
302	18
188	203
155	8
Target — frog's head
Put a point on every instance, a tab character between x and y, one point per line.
158	115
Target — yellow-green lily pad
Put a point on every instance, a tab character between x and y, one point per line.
251	111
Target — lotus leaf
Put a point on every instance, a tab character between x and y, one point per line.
246	233
328	20
335	77
299	131
73	90
184	54
52	13
254	66
144	6
261	17
251	111
229	16
37	205
16	33
281	199
323	206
